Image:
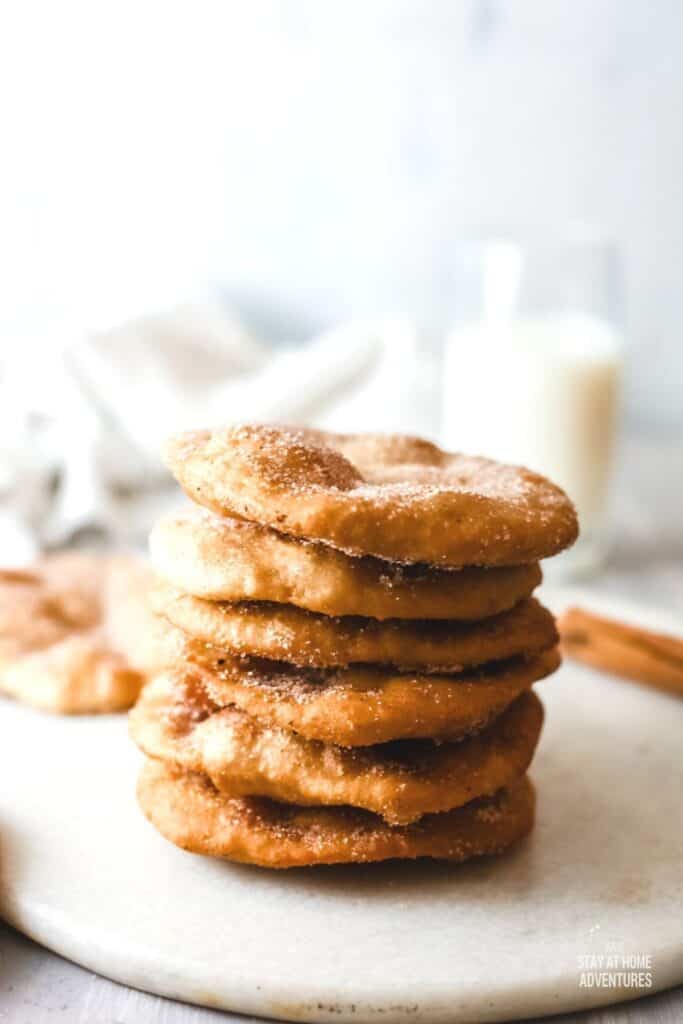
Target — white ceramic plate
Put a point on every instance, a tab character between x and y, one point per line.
82	872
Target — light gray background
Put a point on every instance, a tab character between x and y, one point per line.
319	157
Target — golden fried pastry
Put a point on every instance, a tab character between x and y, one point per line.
174	720
395	497
56	651
188	811
367	704
78	675
282	632
228	559
132	625
43	604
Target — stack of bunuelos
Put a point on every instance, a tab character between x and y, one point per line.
351	648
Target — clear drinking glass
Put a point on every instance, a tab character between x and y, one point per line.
532	368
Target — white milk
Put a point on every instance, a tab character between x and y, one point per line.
540	391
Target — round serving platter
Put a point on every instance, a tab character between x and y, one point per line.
82	872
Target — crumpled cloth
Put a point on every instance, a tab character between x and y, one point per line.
115	395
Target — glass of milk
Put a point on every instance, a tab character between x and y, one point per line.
532	368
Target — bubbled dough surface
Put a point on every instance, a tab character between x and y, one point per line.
395	497
175	721
287	633
362	704
189	812
228	559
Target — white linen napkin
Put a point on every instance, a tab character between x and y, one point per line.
120	393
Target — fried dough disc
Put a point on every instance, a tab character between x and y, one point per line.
134	628
188	811
282	632
78	675
396	497
367	704
360	705
174	720
234	560
56	650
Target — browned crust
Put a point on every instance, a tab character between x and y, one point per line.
228	559
398	498
189	812
57	650
363	704
286	633
175	721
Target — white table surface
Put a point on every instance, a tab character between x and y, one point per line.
38	987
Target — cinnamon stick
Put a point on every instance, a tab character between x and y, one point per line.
638	654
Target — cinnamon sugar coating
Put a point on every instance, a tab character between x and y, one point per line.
175	720
349	643
187	809
362	704
395	497
228	559
57	651
285	633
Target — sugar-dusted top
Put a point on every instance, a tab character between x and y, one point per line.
396	497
